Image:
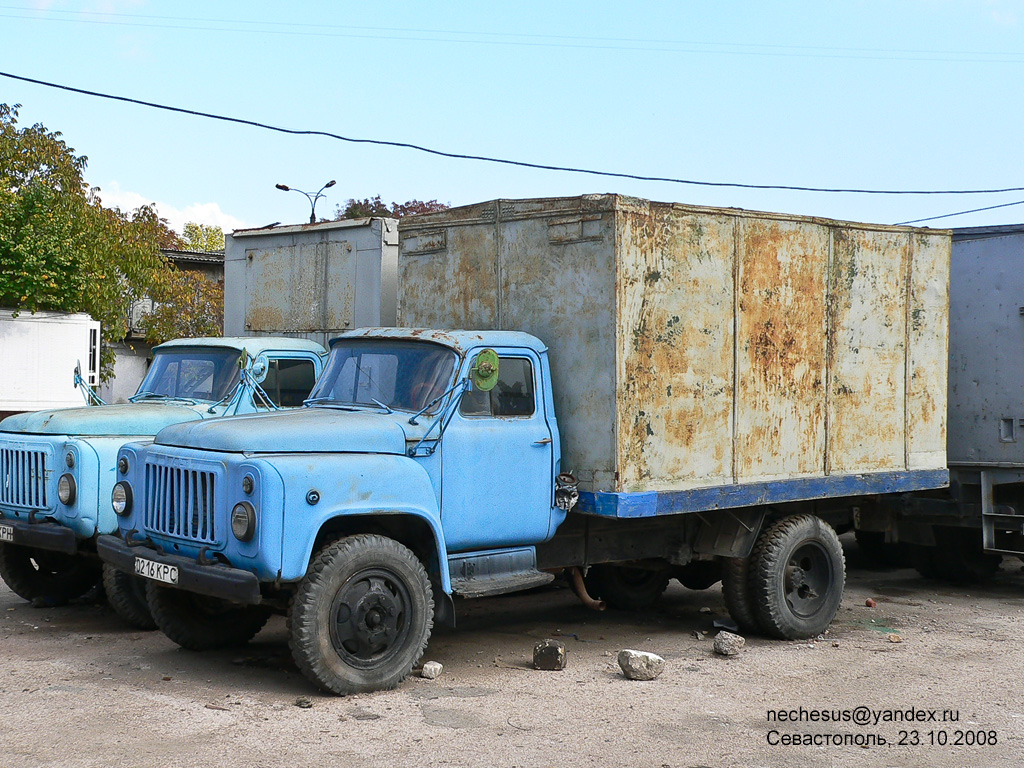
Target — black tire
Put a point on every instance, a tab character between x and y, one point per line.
736	592
202	623
957	557
53	577
700	574
361	618
126	594
625	588
797	574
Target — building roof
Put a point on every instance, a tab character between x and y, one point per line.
276	229
193	257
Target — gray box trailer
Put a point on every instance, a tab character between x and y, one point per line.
310	281
961	534
729	357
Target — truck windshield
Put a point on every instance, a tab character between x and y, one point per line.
190	374
404	375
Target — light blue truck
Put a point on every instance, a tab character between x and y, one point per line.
646	395
57	467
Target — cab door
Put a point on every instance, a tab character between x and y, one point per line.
497	466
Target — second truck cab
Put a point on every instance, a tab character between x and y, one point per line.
57	467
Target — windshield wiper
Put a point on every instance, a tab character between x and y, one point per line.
387	408
159	396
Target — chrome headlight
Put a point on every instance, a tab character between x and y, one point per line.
121	499
66	489
243	521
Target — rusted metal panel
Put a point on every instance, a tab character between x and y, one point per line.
780	349
676	306
701	348
867	350
313	281
928	342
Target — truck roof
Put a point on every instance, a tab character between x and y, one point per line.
254	345
459	340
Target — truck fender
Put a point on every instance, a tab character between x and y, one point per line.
339	494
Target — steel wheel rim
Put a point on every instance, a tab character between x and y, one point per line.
808	579
370	618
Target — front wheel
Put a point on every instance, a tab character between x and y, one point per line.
126	594
202	623
37	574
361	618
797	573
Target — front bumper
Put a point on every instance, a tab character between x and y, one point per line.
41	535
212	580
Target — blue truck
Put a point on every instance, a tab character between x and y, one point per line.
639	392
57	467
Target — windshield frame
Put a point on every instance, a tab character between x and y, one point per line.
446	364
228	361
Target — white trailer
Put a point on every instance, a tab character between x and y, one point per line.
39	353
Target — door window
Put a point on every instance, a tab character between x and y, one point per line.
513	395
289	382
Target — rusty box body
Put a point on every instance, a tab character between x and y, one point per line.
705	350
311	281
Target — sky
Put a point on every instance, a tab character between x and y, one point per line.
872	94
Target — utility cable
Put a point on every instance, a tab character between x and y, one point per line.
503	161
959	213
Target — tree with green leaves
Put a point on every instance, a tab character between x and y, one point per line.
60	248
207	238
374	206
186	304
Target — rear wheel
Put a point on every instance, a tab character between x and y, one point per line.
736	592
957	557
202	623
797	573
54	577
627	588
126	594
361	618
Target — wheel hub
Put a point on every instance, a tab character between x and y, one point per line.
807	579
369	619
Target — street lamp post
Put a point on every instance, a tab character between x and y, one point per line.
312	198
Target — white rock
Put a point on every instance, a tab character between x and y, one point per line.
728	643
640	665
431	670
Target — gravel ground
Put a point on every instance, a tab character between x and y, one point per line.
77	689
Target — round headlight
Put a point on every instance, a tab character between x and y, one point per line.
66	489
121	499
248	483
69	459
122	465
243	521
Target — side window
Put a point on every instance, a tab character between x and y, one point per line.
289	382
512	396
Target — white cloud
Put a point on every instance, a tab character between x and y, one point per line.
201	213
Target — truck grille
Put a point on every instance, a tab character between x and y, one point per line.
23	478
180	502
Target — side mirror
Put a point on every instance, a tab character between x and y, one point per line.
484	373
258	369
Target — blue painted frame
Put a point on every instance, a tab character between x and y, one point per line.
655	503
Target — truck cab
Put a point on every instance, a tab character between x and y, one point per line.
57	467
423	463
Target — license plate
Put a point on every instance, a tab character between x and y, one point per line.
150	569
6	533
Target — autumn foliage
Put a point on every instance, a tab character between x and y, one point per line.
361	209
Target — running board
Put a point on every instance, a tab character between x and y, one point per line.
478	574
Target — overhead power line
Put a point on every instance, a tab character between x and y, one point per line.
960	213
503	161
484	37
